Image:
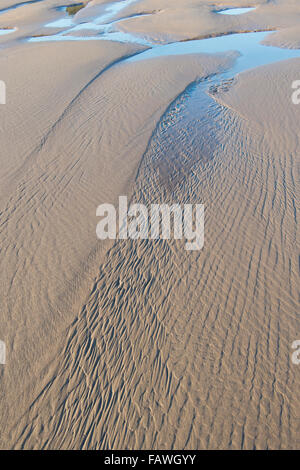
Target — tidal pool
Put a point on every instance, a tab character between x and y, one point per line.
109	13
251	52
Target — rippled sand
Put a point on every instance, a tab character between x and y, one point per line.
141	344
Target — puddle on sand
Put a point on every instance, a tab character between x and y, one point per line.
62	23
114	36
198	110
195	113
235	11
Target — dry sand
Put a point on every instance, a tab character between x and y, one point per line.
140	344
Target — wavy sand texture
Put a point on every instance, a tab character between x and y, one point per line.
142	344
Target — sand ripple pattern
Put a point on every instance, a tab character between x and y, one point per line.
189	350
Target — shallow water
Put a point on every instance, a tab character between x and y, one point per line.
7	31
109	13
102	25
235	11
61	23
252	53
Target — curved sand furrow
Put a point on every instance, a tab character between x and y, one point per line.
76	168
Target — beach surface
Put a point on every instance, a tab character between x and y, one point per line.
140	344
